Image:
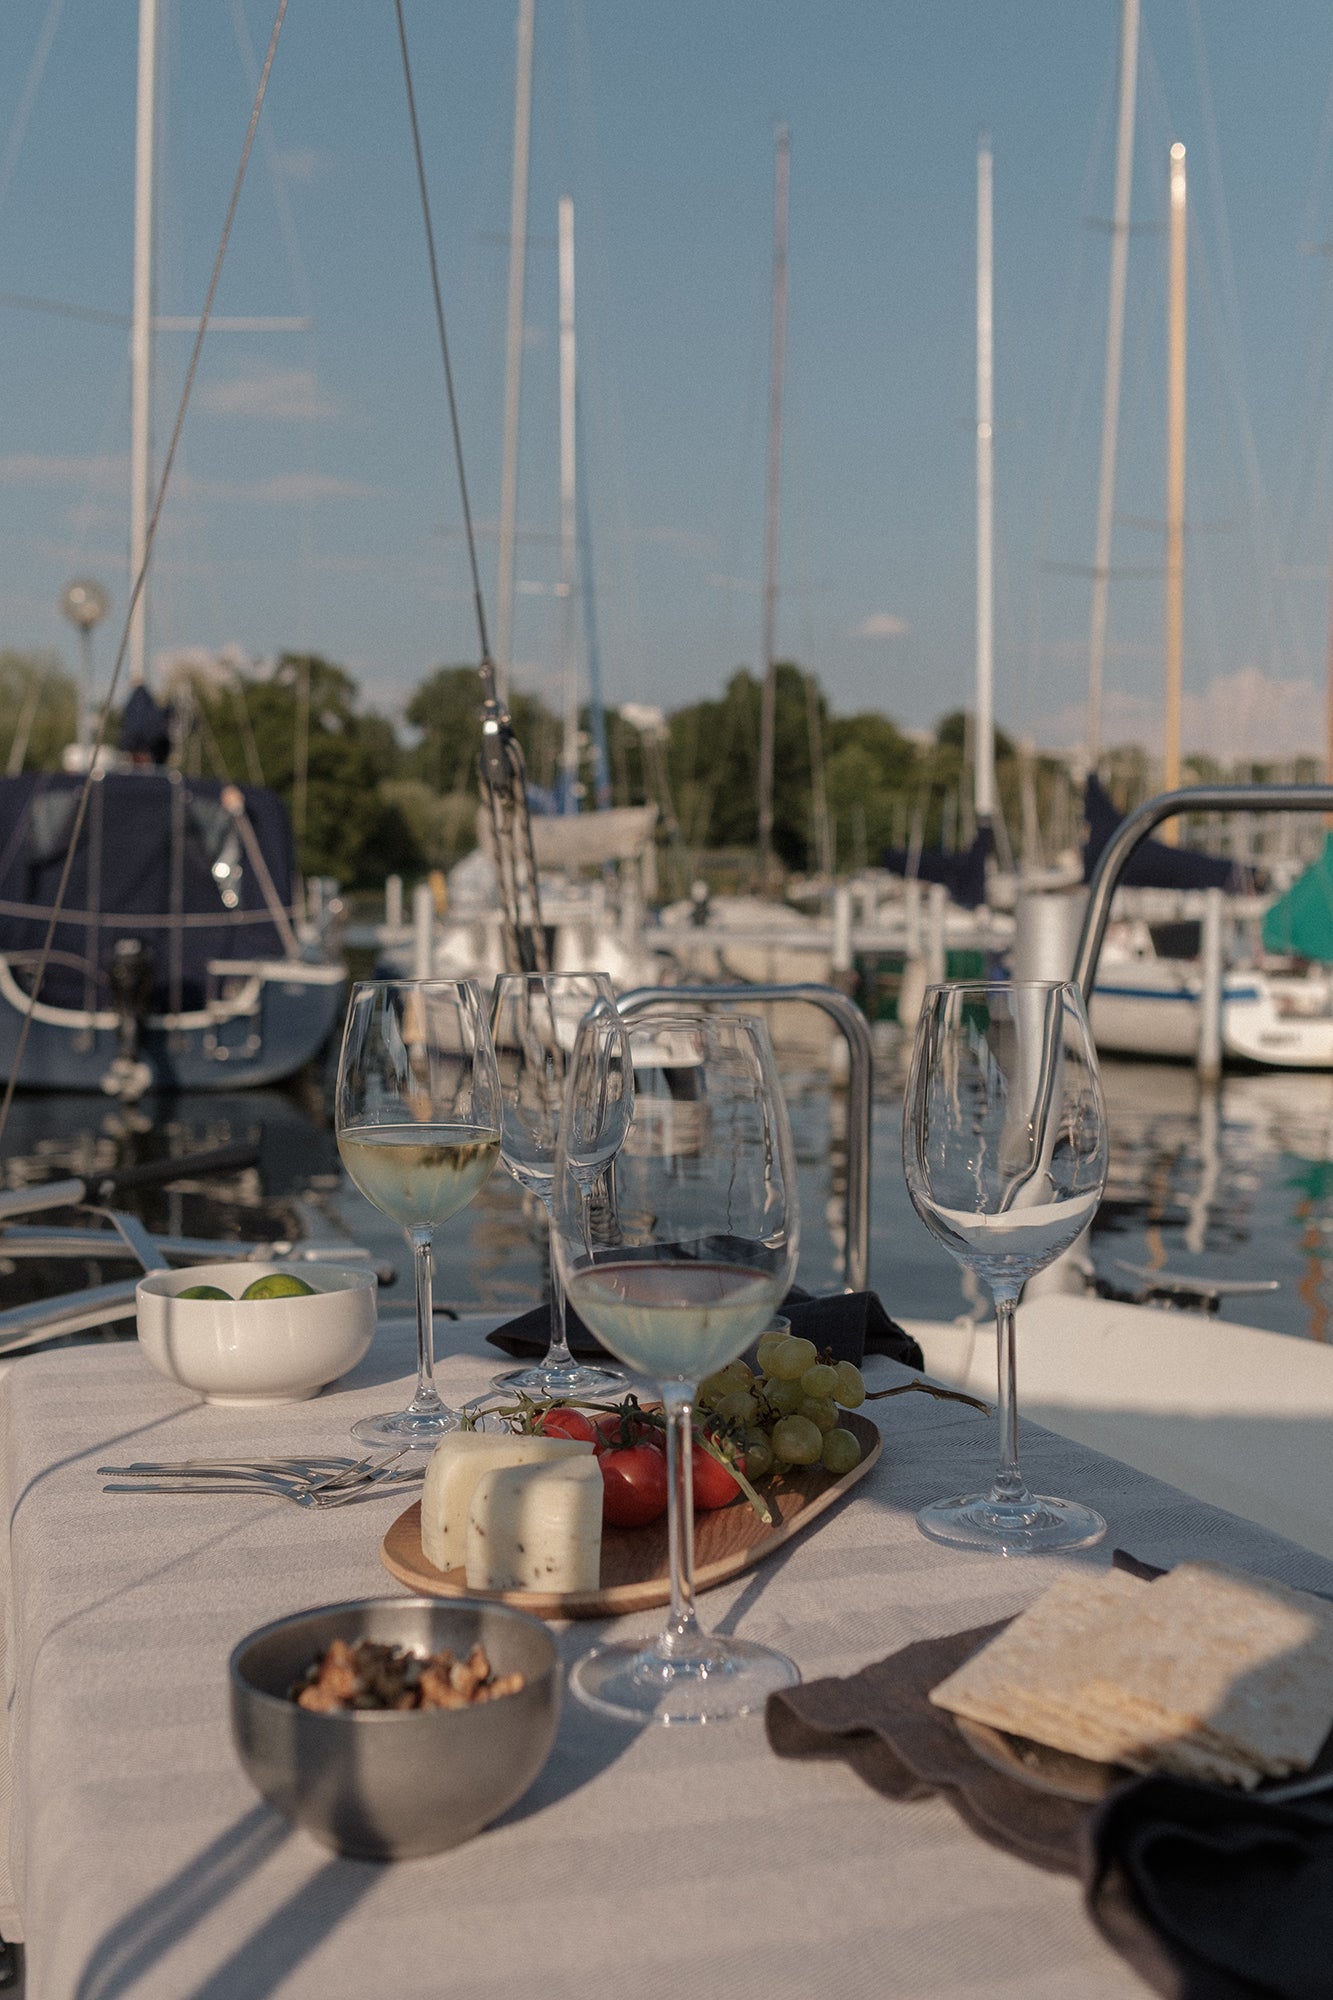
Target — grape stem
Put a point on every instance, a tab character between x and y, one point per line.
930	1389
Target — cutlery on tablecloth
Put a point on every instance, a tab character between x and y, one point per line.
273	1485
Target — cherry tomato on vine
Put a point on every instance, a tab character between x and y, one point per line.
634	1484
619	1427
568	1424
713	1484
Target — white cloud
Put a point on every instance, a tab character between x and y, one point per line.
291	395
301	163
881	625
290	489
1246	716
33	468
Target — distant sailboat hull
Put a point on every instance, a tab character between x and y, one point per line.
1152	1007
267	1021
179	960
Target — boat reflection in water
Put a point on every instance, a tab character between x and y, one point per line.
1233	1183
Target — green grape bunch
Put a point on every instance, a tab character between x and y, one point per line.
787	1413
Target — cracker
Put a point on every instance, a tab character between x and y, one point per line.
1034	1668
1238	1665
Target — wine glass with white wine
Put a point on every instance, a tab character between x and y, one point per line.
1005	1152
676	1263
418	1124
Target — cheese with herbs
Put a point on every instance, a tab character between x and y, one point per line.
536	1527
458	1462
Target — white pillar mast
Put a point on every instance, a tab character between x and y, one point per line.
1175	479
984	746
1115	347
518	251
569	672
141	330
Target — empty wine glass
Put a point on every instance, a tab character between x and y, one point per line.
677	1262
418	1124
1004	1147
535	1017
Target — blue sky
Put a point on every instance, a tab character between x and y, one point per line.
316	505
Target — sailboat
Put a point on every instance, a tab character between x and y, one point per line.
181	957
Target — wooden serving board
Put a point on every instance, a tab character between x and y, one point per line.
727	1540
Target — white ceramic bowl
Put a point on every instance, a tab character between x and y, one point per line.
256	1350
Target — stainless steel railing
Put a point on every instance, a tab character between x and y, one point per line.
855	1030
1140	823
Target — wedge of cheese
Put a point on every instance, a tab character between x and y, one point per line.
458	1462
536	1527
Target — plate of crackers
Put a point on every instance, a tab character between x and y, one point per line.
1206	1673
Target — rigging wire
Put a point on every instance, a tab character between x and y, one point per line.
136	591
32	84
502	772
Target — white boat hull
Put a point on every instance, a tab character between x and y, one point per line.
1152	1007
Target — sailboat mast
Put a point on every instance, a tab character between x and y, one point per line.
141	330
1115	348
518	253
1175	477
777	369
569	671
984	746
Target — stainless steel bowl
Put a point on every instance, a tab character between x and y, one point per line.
385	1785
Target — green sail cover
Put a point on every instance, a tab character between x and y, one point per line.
1301	922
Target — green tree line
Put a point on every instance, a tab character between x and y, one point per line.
367	801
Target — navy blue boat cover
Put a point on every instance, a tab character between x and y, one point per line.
1154	865
144	868
963	874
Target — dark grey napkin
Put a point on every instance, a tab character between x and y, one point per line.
850	1324
1208	1894
880	1722
1213	1895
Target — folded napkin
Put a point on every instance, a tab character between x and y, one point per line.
1208	1894
851	1324
1212	1895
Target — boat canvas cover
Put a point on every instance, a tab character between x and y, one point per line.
1300	924
1153	864
143	868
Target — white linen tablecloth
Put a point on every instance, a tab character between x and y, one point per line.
659	1864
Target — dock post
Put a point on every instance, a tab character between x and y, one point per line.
912	917
1046	928
936	959
1210	994
393	903
423	930
842	928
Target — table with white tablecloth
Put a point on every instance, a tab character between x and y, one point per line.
663	1862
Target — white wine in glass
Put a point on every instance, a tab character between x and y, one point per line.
1005	1153
676	1262
418	1124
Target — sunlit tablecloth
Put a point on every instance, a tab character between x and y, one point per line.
656	1864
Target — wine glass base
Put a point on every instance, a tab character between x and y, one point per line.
724	1679
1029	1526
406	1428
574	1378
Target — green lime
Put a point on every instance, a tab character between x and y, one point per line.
204	1292
281	1285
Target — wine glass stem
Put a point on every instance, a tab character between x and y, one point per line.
1008	1484
681	1633
427	1396
557	1354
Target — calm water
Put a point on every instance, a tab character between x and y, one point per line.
1236	1185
